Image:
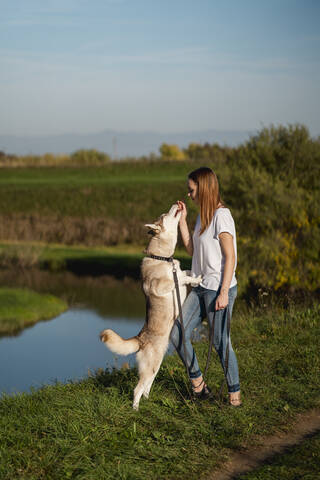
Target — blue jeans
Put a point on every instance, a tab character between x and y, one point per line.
199	304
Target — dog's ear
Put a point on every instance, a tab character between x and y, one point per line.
153	227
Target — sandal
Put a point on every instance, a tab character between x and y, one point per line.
235	402
204	394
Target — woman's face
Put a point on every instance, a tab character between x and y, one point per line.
193	191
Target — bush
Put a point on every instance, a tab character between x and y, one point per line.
171	152
89	157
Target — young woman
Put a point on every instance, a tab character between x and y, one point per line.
214	256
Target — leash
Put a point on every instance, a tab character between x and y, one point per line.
176	283
211	330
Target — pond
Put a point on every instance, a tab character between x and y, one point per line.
68	347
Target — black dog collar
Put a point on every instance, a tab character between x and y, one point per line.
157	257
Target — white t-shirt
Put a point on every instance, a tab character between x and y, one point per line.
208	260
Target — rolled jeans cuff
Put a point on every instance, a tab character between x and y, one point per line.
234	388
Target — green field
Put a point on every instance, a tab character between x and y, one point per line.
88	430
270	183
120	191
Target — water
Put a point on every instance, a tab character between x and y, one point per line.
61	349
68	346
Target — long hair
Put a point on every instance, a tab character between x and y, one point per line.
208	194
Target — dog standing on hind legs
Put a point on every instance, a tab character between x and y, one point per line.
161	303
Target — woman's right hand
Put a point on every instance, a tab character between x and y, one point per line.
182	209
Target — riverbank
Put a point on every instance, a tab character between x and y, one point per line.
88	429
20	308
120	261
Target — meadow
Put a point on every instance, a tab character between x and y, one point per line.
270	183
89	218
88	430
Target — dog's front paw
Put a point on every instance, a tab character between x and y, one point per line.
196	281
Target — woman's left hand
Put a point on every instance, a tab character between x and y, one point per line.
222	300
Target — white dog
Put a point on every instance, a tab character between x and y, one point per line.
162	309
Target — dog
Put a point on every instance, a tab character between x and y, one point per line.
161	303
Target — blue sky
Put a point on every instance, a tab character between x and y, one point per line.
170	66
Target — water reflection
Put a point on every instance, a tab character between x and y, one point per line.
106	295
66	347
62	349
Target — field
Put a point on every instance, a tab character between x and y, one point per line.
88	430
90	219
277	217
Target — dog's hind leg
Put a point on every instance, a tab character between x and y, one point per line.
155	357
145	373
149	361
149	385
140	388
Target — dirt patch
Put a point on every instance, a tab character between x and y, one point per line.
251	458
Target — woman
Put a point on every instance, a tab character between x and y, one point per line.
214	256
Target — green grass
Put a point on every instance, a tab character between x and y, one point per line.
115	171
299	462
87	429
116	190
277	217
20	308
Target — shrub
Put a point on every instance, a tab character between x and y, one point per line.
171	152
89	157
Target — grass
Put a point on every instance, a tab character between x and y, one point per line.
115	190
87	429
299	462
20	308
92	206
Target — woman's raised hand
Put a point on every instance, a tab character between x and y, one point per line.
183	209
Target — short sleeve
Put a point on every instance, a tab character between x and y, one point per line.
224	223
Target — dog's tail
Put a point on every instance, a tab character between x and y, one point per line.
119	345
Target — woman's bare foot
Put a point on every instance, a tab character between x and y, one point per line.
200	390
197	384
235	399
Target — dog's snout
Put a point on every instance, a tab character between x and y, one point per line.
174	210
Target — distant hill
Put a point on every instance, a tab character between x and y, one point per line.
116	144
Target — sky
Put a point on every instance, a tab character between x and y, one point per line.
84	66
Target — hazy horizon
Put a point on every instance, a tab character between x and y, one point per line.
116	143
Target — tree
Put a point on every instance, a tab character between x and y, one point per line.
171	152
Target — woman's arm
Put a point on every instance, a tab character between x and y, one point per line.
226	243
184	230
